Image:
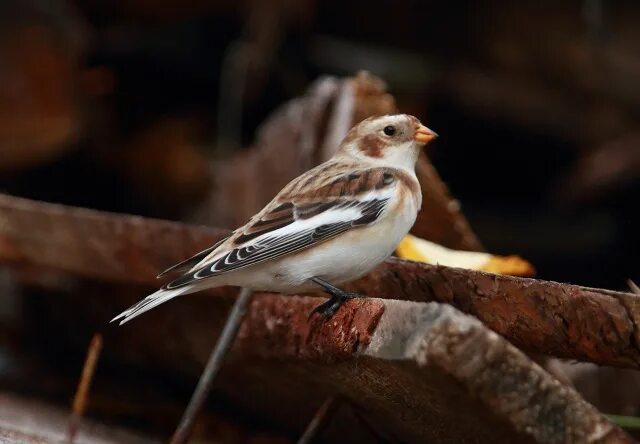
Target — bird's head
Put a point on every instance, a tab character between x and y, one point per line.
391	140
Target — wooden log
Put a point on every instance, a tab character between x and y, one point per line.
420	372
543	317
107	246
431	346
563	320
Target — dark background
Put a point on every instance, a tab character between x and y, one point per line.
119	107
127	106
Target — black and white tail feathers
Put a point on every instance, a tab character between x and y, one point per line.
151	301
191	262
164	294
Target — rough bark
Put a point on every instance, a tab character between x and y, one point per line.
417	372
403	346
88	243
543	317
562	320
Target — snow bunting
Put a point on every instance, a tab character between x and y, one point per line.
328	226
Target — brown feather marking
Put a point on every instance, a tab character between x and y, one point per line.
409	182
345	182
310	210
387	178
372	145
306	183
267	226
264	222
282	207
364	182
282	211
279	217
249	234
352	184
335	188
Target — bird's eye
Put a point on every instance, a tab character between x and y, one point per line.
389	130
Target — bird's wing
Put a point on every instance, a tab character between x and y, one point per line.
308	211
188	264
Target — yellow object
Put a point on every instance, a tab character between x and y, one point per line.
407	249
420	250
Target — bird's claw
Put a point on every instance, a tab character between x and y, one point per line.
327	309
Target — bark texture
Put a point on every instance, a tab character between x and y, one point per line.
562	320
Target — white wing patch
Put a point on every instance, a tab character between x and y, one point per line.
300	234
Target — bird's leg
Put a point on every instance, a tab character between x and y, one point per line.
338	297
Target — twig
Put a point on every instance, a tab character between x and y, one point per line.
82	392
319	420
633	286
200	394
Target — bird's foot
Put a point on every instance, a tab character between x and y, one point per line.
338	297
327	309
351	295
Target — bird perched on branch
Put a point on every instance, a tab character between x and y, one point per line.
328	226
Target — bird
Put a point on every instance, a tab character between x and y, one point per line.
327	227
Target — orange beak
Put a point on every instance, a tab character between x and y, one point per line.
424	135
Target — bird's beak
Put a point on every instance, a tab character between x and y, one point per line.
424	135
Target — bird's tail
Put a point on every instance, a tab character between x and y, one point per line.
151	301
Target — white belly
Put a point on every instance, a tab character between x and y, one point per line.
339	260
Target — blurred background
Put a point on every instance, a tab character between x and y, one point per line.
124	106
127	106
